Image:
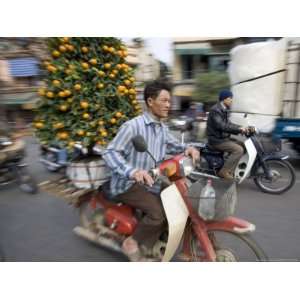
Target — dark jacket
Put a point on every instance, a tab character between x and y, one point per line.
219	127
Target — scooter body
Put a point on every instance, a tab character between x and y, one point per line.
108	224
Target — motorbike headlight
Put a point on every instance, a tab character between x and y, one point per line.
186	166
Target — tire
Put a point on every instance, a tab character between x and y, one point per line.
262	183
230	247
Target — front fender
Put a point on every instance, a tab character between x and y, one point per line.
273	156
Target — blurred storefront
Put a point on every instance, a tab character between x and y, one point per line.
20	77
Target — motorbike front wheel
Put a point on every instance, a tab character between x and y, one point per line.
229	247
282	177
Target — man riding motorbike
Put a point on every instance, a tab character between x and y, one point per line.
219	129
130	181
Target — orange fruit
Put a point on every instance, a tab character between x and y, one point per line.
126	91
132	92
107	66
100	123
132	79
112	76
125	53
93	61
86	116
113	121
105	48
119	67
101	73
115	72
120	53
46	63
85	49
80	132
100	86
127	82
70	47
50	94
84	104
39	125
121	88
63	107
51	68
65	39
62	94
42	92
134	102
62	48
104	134
63	135
56	82
67	93
77	87
68	72
85	65
122	47
118	114
55	53
111	49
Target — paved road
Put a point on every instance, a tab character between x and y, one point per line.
39	227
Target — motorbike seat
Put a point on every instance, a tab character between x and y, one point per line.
209	149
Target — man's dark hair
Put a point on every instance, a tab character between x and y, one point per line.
153	89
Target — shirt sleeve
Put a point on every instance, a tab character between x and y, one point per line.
173	144
115	153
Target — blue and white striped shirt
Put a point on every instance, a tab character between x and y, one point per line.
124	160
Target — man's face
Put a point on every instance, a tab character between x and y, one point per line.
160	106
228	102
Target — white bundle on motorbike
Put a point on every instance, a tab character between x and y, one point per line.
88	173
257	74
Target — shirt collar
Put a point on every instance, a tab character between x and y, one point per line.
149	119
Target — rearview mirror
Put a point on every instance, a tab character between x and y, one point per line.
139	143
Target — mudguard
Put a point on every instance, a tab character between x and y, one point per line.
177	215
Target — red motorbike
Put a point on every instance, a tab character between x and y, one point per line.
187	235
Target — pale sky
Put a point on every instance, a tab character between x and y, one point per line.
161	48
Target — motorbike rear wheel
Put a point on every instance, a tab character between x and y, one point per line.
283	177
229	247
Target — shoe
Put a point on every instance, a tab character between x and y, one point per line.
225	175
131	250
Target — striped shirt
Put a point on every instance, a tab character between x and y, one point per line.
124	160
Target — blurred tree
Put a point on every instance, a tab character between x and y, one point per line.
89	93
208	85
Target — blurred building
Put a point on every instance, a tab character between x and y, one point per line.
19	77
146	67
193	56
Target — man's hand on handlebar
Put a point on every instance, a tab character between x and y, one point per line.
143	177
193	152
